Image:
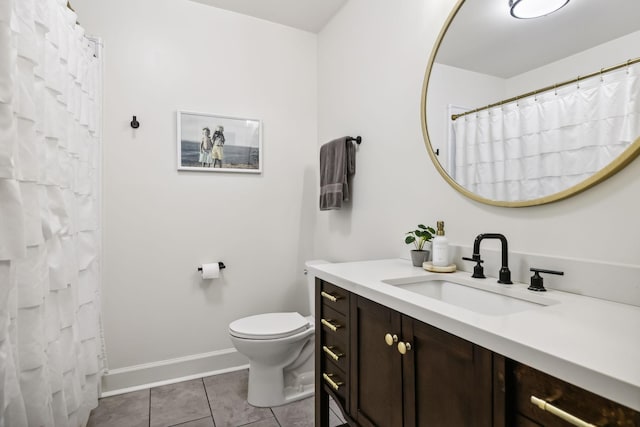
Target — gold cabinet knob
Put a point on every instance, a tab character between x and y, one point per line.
403	347
390	339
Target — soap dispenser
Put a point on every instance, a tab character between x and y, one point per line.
440	247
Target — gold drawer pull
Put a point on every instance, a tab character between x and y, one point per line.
329	325
560	413
330	297
330	352
334	384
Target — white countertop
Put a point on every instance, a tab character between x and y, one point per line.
588	342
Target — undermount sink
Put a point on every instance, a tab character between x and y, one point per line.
494	300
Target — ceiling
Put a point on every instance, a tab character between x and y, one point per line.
307	15
485	38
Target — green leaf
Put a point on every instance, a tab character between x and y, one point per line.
422	226
409	240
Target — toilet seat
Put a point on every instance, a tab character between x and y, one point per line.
269	326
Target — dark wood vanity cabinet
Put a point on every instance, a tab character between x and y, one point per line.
387	369
393	370
407	373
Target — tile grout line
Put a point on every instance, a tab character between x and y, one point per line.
187	422
274	417
208	402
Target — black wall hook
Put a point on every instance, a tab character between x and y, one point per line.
357	139
135	123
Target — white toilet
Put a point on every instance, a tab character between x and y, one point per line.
279	347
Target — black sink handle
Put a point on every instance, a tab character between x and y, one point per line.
537	282
478	270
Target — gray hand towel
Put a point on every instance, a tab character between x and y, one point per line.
337	162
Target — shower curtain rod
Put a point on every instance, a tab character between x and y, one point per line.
544	89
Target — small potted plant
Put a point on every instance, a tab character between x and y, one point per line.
420	237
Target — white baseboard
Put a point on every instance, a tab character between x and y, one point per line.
148	375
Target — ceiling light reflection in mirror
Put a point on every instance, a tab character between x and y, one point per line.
530	9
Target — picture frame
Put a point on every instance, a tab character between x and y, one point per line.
215	143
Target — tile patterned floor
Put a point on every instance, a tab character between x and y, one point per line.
216	401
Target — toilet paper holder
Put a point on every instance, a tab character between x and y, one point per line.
220	264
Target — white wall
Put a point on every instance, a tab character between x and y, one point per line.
452	86
372	58
160	224
614	52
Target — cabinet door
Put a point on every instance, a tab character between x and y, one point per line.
376	368
447	380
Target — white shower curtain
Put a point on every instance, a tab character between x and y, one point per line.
544	144
51	352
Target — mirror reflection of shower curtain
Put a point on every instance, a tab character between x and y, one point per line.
51	346
451	138
544	144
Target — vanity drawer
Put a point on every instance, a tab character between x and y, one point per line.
334	297
335	380
334	324
591	408
334	349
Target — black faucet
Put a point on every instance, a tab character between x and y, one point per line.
505	273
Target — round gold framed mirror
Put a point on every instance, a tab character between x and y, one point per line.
526	112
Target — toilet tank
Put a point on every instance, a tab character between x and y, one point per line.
311	283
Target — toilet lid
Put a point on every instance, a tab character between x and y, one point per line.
268	326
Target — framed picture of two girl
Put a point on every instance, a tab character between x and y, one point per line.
214	143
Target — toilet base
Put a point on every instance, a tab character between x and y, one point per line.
273	387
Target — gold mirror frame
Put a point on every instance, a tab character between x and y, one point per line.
626	157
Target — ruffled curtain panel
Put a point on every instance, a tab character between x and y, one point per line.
51	347
547	143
